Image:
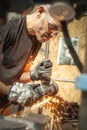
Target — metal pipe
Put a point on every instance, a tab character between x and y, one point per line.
63	80
47	50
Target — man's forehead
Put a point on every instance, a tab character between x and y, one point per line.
50	18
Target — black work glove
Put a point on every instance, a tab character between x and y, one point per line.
42	71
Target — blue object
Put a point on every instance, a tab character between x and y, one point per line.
81	82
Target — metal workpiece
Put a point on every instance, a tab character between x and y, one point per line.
64	80
11	123
33	121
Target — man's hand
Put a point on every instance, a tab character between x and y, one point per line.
42	71
19	93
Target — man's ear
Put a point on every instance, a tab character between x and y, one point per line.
41	9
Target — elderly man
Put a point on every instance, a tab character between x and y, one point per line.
20	39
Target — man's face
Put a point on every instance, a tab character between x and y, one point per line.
46	27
